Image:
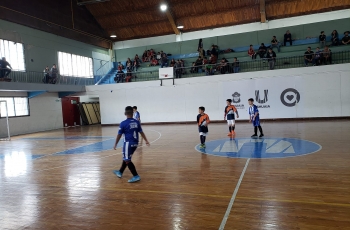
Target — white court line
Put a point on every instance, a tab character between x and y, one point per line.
223	222
62	166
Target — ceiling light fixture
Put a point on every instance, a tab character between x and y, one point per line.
163	7
180	27
113	36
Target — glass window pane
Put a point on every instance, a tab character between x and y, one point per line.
10	107
21	106
13	52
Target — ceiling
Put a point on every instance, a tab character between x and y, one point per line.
142	18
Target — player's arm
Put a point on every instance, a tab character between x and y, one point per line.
117	140
144	137
225	113
236	111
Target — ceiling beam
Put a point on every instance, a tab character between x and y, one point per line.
263	11
136	25
172	22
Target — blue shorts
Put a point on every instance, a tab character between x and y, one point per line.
256	122
128	150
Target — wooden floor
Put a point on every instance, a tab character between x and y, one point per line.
180	188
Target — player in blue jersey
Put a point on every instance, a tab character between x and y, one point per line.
136	114
255	118
130	128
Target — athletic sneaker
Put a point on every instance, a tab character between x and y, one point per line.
134	179
204	146
255	135
118	173
201	146
261	135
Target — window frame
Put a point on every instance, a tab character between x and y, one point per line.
72	64
23	52
14	106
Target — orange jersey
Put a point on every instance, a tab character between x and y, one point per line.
203	119
230	109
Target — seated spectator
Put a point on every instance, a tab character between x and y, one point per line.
120	66
4	70
137	62
164	61
275	43
154	62
205	61
322	39
129	65
178	69
53	74
209	70
318	56
172	63
271	58
144	56
235	65
262	50
327	55
119	76
214	51
309	57
193	68
335	38
287	38
128	76
199	61
346	38
251	52
159	56
46	78
223	66
213	59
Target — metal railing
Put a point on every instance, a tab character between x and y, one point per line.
244	66
38	77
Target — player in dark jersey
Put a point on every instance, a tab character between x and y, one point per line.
255	118
202	121
230	111
130	128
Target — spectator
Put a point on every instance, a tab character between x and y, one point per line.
205	61
154	62
120	66
223	66
193	68
46	78
327	55
318	56
144	56
159	56
213	59
119	76
178	69
209	69
164	61
262	50
4	70
346	38
129	65
54	74
322	38
200	48
136	62
335	38
275	43
182	62
287	38
128	76
251	52
214	51
309	57
235	65
271	57
172	62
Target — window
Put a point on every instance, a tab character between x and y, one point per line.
74	65
16	106
13	52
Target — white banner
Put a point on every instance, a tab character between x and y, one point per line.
166	73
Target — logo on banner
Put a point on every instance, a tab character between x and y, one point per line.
290	97
236	98
262	101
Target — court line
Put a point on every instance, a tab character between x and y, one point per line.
62	166
223	222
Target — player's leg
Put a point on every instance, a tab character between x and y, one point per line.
255	130
233	126
130	151
259	127
120	172
229	127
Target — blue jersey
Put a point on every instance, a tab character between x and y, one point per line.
137	115
252	110
131	129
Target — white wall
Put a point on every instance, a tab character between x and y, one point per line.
324	93
237	29
45	114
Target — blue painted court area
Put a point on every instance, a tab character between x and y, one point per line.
259	147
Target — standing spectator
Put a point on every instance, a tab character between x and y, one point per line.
200	48
214	51
275	43
136	62
235	65
46	78
309	57
327	55
54	74
119	76
287	38
335	38
262	50
251	52
318	56
322	38
346	38
4	71
164	61
178	69
154	62
271	57
172	62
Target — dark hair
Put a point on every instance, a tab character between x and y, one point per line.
309	47
229	100
202	108
235	58
128	110
250	45
274	36
317	47
262	44
134	107
322	32
251	99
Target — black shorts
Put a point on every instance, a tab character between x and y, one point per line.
203	129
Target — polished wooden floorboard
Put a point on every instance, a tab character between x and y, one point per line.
180	188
